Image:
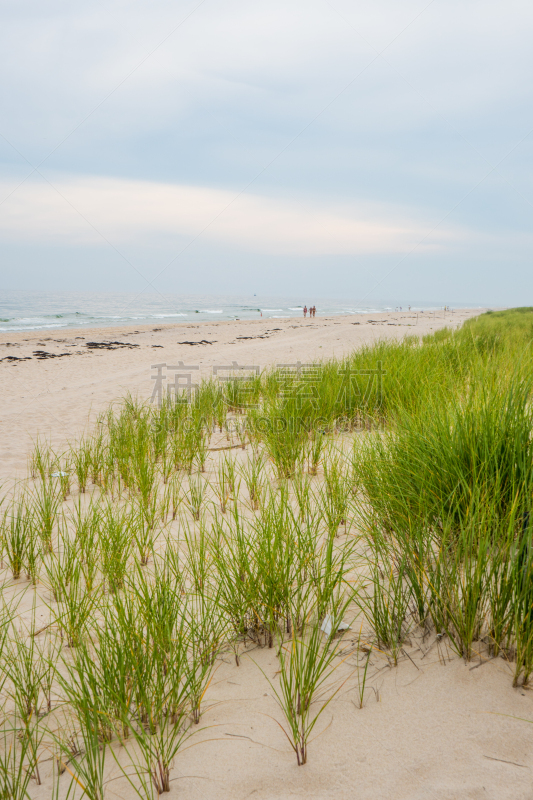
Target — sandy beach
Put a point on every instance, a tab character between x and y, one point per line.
431	728
55	382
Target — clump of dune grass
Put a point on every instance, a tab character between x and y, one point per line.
455	456
19	745
307	661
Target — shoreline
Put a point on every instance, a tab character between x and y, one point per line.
439	317
77	314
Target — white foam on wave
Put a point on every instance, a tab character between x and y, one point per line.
43	320
36	327
177	314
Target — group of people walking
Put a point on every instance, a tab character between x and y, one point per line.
311	309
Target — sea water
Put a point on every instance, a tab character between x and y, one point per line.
30	310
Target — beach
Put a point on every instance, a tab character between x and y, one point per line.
55	382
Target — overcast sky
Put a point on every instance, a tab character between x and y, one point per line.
378	149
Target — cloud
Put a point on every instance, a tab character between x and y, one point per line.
85	210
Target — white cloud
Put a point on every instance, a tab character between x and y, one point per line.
83	210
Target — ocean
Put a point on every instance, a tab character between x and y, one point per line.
31	310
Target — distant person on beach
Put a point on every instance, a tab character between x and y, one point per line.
305	312
314	311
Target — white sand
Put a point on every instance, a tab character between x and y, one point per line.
436	728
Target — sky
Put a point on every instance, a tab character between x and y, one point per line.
371	150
